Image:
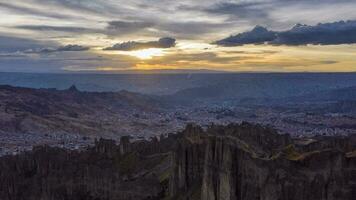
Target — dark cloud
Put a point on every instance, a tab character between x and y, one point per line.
329	62
324	34
261	9
165	42
12	56
69	47
14	44
72	47
281	14
258	35
343	32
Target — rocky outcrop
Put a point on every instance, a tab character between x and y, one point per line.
233	162
247	162
232	173
102	172
188	162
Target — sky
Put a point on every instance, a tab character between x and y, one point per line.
223	35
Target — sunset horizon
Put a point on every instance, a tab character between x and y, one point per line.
236	36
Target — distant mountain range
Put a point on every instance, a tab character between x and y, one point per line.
154	71
269	88
197	83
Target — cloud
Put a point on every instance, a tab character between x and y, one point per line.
191	29
74	47
12	55
197	60
127	26
244	10
324	34
258	35
165	42
112	28
343	32
30	11
14	44
69	47
328	62
91	6
58	28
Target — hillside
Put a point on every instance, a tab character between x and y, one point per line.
25	110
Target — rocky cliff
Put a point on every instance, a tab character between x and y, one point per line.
233	162
246	162
103	172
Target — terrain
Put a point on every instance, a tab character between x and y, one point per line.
237	161
43	110
69	117
275	85
73	118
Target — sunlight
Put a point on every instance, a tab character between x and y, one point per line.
143	54
146	53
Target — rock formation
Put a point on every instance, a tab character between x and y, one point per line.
99	173
246	162
233	162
